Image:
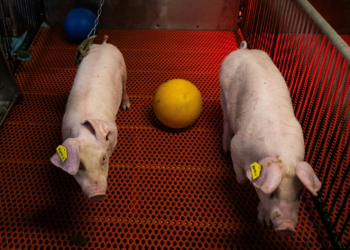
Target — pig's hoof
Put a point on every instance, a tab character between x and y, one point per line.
126	106
125	102
265	222
288	231
226	146
263	217
97	197
241	181
225	152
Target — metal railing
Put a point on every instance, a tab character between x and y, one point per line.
19	23
314	61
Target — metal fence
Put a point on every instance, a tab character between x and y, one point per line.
314	60
19	22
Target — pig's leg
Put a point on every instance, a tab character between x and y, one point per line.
227	134
125	98
238	163
263	217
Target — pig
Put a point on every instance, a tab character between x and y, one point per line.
89	131
260	126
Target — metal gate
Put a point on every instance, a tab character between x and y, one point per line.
19	22
314	60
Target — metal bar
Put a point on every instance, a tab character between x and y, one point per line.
241	13
301	26
30	37
319	85
29	10
280	13
257	32
302	104
13	19
243	23
291	35
251	23
339	189
255	25
330	119
317	97
261	31
303	68
5	37
10	91
287	57
346	173
21	8
312	151
347	221
285	38
270	25
245	10
331	34
36	14
33	14
265	35
41	16
18	20
328	225
273	23
312	79
300	61
259	26
337	124
24	22
246	30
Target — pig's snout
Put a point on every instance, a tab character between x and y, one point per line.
97	192
97	197
285	229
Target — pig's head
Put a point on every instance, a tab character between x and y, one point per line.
280	190
88	157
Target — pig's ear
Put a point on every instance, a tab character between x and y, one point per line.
71	164
307	176
270	175
104	131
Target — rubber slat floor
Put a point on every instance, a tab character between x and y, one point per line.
166	189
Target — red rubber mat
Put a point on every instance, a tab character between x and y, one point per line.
167	189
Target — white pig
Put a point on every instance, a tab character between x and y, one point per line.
260	126
89	130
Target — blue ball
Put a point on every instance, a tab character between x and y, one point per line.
78	24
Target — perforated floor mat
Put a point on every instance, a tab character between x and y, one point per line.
167	189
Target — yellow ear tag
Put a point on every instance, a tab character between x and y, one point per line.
256	169
62	152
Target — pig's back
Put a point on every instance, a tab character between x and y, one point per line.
97	88
258	102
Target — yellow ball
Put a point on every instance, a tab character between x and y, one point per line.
177	103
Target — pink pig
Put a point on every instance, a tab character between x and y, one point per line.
89	130
260	126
